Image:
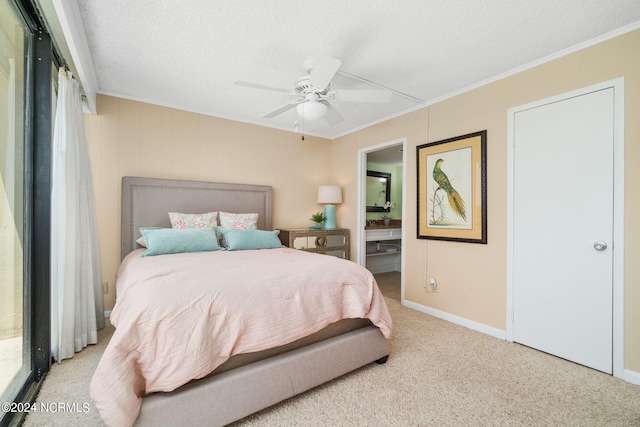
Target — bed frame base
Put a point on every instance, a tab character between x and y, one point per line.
233	395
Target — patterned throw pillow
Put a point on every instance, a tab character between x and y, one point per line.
182	220
239	221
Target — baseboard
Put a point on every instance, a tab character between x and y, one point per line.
632	376
476	326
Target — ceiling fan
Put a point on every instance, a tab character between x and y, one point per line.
313	92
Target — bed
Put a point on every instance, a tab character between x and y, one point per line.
246	376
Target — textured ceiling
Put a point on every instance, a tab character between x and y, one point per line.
187	54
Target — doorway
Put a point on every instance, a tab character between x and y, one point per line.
380	247
565	201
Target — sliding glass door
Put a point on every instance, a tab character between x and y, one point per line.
15	312
25	198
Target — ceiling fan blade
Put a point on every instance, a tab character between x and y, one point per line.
280	110
362	95
324	68
261	86
332	116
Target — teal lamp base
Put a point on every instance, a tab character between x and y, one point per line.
330	217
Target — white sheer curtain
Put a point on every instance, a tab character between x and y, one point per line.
77	310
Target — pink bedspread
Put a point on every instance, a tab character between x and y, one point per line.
178	317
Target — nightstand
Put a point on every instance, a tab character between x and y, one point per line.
329	242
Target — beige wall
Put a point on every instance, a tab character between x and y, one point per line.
471	277
128	138
132	138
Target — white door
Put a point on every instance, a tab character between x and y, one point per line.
563	228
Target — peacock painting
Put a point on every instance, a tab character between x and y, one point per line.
450	192
452	189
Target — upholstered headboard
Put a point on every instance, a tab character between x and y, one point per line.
146	202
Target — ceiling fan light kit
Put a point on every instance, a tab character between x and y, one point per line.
311	110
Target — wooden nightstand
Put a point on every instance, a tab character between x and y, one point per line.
330	242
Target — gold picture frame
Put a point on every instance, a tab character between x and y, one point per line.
452	189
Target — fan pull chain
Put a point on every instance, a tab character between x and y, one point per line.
296	128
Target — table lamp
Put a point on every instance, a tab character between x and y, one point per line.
329	195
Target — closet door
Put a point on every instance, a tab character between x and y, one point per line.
563	228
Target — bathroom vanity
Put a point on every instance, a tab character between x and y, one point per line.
384	245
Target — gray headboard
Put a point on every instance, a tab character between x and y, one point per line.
146	202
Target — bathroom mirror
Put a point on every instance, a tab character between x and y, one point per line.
378	190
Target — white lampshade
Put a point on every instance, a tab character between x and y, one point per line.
329	194
311	110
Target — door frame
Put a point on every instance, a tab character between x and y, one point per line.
361	235
618	210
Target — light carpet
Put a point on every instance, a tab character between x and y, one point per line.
389	284
438	374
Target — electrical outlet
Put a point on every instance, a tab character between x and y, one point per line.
431	285
105	287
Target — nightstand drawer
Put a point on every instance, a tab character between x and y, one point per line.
310	242
329	242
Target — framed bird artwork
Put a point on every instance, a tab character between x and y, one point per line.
452	189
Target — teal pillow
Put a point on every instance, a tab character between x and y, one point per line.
177	240
238	240
140	240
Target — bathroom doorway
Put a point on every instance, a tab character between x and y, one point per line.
381	194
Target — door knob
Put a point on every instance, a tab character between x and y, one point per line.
600	246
